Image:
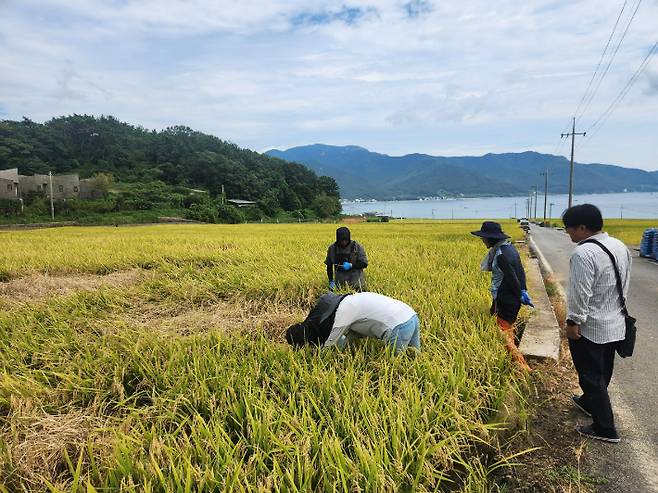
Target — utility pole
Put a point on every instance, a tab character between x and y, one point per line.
550	210
545	175
621	212
573	135
515	210
52	203
536	193
530	205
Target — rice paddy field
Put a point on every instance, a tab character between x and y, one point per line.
629	230
153	359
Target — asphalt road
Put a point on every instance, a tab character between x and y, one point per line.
632	465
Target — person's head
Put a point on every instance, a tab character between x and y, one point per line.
490	233
318	323
582	221
488	242
343	237
307	332
296	335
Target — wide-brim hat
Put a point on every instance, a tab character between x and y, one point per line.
490	230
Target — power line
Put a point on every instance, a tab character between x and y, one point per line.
605	50
596	126
611	59
587	96
628	85
558	147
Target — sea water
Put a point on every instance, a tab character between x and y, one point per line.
633	205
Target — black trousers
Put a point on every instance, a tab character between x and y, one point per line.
594	364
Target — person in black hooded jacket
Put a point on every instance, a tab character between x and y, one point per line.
315	329
345	262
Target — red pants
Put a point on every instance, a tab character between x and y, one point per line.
508	332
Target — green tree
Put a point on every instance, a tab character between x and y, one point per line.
229	214
326	206
177	156
103	182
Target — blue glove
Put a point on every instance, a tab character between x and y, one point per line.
332	285
525	298
347	265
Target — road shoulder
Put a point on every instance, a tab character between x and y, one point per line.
630	466
559	464
541	338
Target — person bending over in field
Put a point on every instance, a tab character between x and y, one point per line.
335	320
346	259
508	284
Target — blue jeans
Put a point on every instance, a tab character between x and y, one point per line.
405	335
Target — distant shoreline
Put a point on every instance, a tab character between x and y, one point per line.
620	205
467	197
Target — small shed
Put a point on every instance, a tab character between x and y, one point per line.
241	203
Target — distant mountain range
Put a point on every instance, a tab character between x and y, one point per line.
370	175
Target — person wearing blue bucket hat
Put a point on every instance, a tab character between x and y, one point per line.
508	283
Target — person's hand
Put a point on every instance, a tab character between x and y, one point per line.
332	285
347	265
573	332
525	298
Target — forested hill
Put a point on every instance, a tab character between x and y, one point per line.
176	156
364	174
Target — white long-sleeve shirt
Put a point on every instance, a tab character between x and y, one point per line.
593	299
368	315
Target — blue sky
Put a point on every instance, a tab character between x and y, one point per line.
444	78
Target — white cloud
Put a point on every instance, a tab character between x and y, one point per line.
392	75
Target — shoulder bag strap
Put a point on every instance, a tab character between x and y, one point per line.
617	275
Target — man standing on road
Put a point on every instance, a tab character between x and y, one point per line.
595	322
346	259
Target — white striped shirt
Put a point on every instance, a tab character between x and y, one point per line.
593	299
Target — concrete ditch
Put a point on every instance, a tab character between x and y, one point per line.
541	338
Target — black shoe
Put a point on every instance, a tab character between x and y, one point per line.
576	401
588	431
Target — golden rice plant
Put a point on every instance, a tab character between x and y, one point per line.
628	230
123	405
